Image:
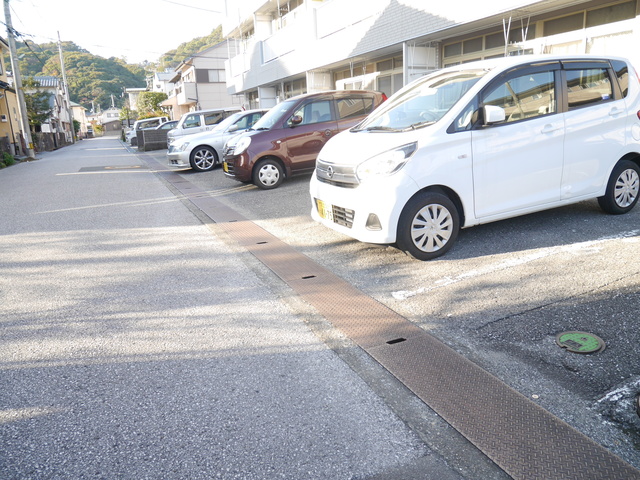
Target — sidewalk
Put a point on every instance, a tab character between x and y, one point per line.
138	344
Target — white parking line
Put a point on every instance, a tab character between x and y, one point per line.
591	246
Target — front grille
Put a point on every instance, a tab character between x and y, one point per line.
343	216
336	183
230	166
338	175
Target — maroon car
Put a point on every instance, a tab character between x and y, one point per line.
288	138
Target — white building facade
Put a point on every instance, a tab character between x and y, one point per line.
278	48
200	83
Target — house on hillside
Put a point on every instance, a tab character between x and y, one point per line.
199	83
57	130
110	121
11	136
161	82
80	116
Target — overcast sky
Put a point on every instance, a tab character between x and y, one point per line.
137	30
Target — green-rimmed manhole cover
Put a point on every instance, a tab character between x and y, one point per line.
580	342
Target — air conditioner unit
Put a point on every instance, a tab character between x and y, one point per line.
3	118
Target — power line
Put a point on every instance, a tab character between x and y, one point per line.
191	6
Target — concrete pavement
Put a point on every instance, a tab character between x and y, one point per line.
136	343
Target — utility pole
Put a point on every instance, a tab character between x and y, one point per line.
17	80
65	87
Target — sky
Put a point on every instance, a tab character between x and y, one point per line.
136	30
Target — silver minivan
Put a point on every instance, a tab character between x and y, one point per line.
199	121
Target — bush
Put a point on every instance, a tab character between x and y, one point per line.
7	159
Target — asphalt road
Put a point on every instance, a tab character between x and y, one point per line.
137	342
499	297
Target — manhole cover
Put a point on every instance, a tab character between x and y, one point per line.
580	342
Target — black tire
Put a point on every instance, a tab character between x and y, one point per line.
622	188
268	174
428	226
203	158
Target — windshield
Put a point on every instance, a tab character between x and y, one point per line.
422	104
230	120
273	116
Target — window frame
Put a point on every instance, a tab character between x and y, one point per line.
553	66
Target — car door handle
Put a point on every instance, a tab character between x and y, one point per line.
615	111
549	128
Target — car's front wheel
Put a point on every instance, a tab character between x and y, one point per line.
268	174
622	189
203	158
428	226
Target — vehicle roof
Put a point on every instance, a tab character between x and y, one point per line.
221	109
334	92
513	61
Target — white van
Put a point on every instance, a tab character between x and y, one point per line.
142	125
481	142
199	121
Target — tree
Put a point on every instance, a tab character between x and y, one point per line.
173	58
38	104
149	104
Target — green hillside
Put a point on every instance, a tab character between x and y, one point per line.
96	79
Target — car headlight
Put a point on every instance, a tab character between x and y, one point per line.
242	145
182	147
386	163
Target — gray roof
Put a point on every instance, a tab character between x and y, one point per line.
47	81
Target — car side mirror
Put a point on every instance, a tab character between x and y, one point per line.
233	128
493	114
295	120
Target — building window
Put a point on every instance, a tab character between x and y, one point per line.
564	24
612	13
217	76
210	76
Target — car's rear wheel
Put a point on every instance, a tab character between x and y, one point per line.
428	226
268	174
622	189
203	158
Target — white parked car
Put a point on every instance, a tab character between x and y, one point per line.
203	151
481	142
199	121
143	124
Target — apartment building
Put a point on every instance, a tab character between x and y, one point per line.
199	83
279	48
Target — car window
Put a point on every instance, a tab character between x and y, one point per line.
523	97
622	72
192	121
314	112
213	118
354	106
422	103
588	86
247	121
148	124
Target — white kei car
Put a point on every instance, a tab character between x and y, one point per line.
481	142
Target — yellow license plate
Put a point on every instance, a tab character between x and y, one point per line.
225	167
325	210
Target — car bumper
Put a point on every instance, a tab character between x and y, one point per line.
362	212
237	167
178	160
